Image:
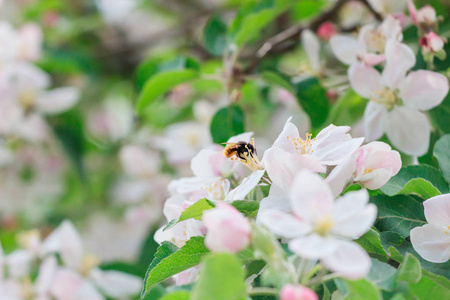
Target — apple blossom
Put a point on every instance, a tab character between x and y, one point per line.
321	228
369	48
371	166
432	240
424	18
397	99
227	229
297	292
431	43
312	48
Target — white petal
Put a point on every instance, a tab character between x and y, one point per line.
47	271
408	130
248	184
58	100
283	224
399	59
243	137
312	48
66	284
117	285
310	196
344	47
423	89
282	166
283	141
313	246
432	243
437	211
349	260
375	118
341	175
336	153
364	80
352	215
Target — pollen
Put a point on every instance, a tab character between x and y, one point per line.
324	225
367	171
303	146
386	97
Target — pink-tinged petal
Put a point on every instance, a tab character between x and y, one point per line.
412	11
352	215
277	199
399	59
66	285
30	42
344	48
391	28
248	184
330	135
432	243
364	80
88	291
33	128
283	141
116	285
186	277
382	156
297	292
310	196
312	48
243	137
283	224
373	59
408	130
375	179
437	211
341	175
423	89
47	271
313	246
348	260
375	118
227	229
24	76
58	100
282	166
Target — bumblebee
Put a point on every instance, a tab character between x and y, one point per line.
242	150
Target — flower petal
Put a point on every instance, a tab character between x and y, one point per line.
364	80
432	243
399	59
409	130
349	260
313	246
283	141
340	175
58	100
423	89
248	184
437	211
344	47
117	285
375	118
283	224
310	196
312	48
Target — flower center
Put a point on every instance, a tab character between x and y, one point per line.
367	171
376	42
324	225
218	190
386	97
89	262
246	154
27	99
447	231
303	146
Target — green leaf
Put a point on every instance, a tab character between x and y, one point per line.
247	207
410	270
442	153
178	295
161	83
276	79
227	122
427	289
253	17
312	97
370	241
391	238
165	250
156	292
347	110
439	115
400	213
195	211
362	289
221	278
165	266
420	187
441	280
383	275
426	172
307	8
214	36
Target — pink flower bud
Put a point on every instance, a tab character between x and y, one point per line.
326	30
297	292
427	15
228	229
431	42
